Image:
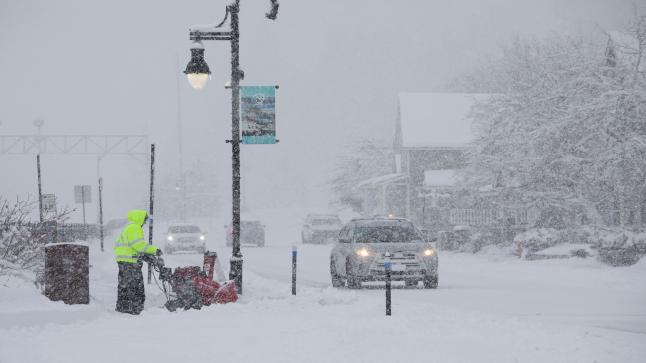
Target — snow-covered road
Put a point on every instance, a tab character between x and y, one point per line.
490	308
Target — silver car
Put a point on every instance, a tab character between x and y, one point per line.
359	255
184	238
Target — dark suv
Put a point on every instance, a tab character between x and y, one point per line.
360	252
320	228
251	233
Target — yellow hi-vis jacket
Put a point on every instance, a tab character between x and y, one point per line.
131	243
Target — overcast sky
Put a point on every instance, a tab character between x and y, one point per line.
94	67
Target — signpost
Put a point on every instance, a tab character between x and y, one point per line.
49	203
83	194
258	114
49	206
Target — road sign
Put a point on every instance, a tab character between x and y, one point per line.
258	114
83	194
49	203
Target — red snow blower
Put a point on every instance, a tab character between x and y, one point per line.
192	287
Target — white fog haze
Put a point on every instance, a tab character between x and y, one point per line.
448	181
111	67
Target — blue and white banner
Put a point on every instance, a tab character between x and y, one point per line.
258	114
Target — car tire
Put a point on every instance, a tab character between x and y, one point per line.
431	282
353	282
337	280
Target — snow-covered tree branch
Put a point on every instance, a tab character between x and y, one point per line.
21	240
566	129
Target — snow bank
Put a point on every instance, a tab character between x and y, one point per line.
491	308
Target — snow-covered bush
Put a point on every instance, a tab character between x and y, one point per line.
537	239
21	241
619	247
616	246
482	238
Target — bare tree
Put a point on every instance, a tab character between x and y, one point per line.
21	241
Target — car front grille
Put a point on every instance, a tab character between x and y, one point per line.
399	257
187	240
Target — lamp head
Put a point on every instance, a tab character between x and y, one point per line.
197	71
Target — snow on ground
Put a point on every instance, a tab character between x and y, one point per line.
489	308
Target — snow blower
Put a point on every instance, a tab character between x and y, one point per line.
192	287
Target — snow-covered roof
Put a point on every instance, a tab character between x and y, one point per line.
440	178
382	179
624	48
435	119
624	41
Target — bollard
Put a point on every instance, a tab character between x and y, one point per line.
294	253
387	268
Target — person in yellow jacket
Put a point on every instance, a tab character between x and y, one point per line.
129	246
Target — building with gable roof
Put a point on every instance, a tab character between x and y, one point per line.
432	134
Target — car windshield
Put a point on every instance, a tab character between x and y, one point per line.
184	229
386	233
326	222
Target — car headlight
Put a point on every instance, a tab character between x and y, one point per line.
363	252
429	252
202	238
170	238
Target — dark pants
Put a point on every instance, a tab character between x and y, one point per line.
130	294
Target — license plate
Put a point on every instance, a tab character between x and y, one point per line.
397	267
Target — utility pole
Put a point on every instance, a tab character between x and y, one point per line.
150	206
40	189
100	198
101	211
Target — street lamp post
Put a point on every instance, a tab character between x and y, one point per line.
198	72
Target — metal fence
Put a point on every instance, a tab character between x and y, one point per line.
488	217
72	232
66	232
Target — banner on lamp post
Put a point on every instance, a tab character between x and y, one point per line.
258	114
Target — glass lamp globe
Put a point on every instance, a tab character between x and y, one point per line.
197	71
